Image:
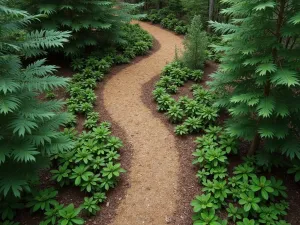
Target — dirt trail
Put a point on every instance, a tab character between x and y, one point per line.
154	173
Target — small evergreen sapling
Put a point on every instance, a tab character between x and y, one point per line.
195	43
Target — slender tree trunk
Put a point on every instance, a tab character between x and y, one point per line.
211	9
254	145
210	12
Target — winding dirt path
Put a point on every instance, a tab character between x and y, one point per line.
153	193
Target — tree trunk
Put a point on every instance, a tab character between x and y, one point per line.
254	145
210	12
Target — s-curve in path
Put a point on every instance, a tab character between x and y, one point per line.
153	177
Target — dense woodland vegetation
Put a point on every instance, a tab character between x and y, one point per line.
256	90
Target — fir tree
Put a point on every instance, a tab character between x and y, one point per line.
29	127
91	22
259	75
195	44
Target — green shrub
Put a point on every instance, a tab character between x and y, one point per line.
90	206
195	44
92	23
179	29
92	164
155	18
258	198
52	215
69	216
42	200
121	59
9	207
91	120
141	48
175	114
164	102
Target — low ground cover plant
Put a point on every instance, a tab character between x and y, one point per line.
190	114
248	195
168	20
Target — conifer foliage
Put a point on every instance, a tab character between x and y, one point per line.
195	44
259	74
91	21
29	127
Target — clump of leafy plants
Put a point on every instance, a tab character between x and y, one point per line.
167	19
42	200
93	164
191	114
246	195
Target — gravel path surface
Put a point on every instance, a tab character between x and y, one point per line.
154	173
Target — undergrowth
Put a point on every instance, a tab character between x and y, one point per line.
243	195
92	165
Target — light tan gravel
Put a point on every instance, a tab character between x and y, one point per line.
154	174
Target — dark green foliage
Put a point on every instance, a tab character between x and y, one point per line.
196	7
175	114
259	76
295	170
9	223
255	197
194	114
195	44
29	131
8	208
91	22
136	40
246	195
156	16
201	7
52	215
92	120
92	164
69	216
42	200
167	19
90	206
180	29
